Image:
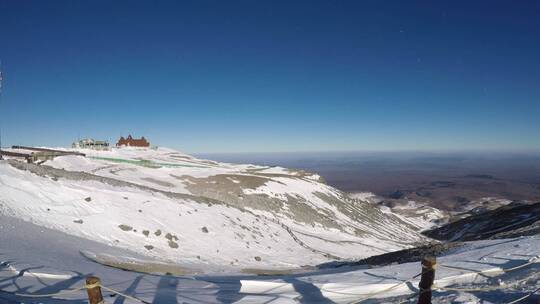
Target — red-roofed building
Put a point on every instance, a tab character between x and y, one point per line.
132	142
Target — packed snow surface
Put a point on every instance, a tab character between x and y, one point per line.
42	261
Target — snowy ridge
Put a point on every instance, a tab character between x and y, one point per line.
199	214
419	216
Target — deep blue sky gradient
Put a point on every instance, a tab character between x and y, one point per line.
241	76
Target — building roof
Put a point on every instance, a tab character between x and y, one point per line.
133	142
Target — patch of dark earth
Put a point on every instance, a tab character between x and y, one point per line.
409	255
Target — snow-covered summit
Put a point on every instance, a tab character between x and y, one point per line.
200	214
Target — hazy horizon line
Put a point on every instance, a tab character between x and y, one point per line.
529	151
352	151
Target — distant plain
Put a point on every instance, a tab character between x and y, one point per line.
443	180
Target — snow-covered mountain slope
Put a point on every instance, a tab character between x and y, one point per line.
512	220
481	205
202	215
44	261
418	215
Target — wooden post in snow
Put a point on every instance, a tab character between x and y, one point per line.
93	290
428	276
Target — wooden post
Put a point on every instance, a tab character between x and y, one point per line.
94	293
428	276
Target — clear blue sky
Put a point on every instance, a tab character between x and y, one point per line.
262	76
